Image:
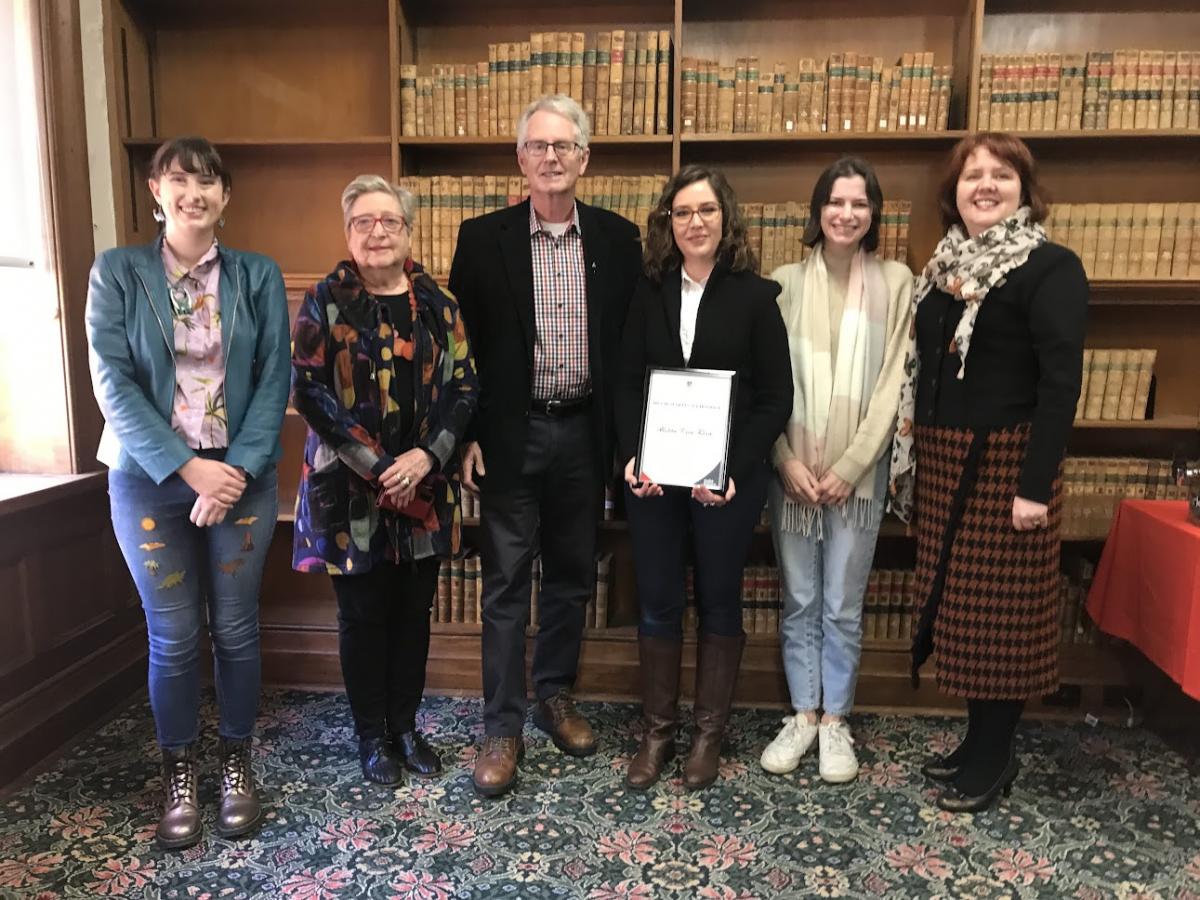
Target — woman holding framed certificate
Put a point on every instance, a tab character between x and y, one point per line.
847	314
700	309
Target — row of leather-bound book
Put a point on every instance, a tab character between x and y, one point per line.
845	91
621	78
1119	90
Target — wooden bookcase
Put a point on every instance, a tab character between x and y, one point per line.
302	95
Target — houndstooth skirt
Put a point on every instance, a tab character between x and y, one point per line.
988	593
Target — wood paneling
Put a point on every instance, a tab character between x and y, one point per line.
74	637
323	73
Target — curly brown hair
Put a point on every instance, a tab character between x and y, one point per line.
662	255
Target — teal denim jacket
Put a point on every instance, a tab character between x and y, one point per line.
131	350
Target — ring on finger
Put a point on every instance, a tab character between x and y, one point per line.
405	481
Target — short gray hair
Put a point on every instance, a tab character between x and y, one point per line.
561	105
377	184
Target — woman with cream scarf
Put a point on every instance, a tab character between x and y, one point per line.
848	315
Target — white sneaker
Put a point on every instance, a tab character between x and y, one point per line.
783	754
838	762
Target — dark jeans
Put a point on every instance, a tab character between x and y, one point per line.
664	529
189	577
559	493
383	640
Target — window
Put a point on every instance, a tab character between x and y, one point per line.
34	425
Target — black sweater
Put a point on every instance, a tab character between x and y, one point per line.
739	328
1024	364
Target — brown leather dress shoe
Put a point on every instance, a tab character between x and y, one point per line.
569	731
496	765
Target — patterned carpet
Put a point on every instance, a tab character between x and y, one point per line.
1096	813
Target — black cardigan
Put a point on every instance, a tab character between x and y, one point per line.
739	328
1025	361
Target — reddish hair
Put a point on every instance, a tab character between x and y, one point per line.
1007	147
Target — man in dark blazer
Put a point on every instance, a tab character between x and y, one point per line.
543	287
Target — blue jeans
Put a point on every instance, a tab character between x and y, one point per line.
181	572
823	583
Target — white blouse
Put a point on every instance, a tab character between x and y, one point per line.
689	305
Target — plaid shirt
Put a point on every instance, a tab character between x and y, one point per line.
560	350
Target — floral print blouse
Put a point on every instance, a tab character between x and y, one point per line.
198	414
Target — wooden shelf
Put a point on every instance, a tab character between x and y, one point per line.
939	138
272	143
1109	135
1151	292
1162	423
508	141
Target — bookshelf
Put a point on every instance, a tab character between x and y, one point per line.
302	95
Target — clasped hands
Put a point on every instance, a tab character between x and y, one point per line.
218	487
700	493
802	486
399	480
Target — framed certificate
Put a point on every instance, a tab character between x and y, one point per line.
686	420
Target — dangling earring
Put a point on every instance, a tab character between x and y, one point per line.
159	216
221	222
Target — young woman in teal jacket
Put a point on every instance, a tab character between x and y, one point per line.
188	343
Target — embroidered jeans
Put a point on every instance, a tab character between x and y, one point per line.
823	583
186	577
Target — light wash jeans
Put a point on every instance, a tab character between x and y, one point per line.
823	583
189	577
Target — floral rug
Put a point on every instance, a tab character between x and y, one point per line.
1097	812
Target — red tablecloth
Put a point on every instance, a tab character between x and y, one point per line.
1147	588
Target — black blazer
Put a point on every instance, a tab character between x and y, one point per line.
739	328
492	277
1025	363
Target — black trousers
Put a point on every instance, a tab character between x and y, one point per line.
557	495
665	531
383	641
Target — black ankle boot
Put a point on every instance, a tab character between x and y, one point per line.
419	757
379	762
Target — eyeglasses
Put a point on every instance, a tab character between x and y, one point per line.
682	215
366	224
562	149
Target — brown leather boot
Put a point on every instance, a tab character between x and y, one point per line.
659	662
240	810
717	662
179	826
496	765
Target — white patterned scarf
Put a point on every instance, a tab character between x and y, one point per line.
966	269
832	394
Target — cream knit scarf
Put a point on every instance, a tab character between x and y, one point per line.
832	393
966	269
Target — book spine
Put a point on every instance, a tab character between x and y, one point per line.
603	77
589	79
1184	240
726	98
778	83
689	84
408	101
649	71
1145	373
662	120
1081	404
637	91
578	49
984	105
460	100
629	81
616	76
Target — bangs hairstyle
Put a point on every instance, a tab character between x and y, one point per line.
1007	147
662	255
846	167
194	155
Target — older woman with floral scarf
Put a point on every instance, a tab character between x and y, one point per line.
383	375
993	377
